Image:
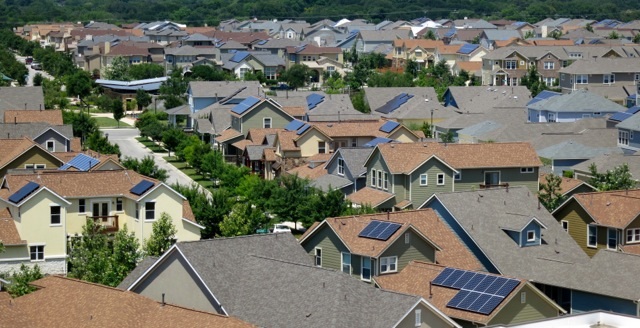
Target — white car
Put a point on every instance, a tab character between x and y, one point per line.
281	228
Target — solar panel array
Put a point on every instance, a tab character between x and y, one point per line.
389	126
313	100
239	56
262	42
479	292
621	116
301	130
376	141
380	230
245	105
227	100
81	162
546	94
394	103
294	125
468	48
23	192
141	187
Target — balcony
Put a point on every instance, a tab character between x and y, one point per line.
499	185
109	223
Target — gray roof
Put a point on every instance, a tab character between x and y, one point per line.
203	125
561	52
480	99
278	44
354	158
330	182
603	66
21	98
573	150
255	152
474	23
501	35
224	88
384	35
180	110
270	280
145	264
632	123
32	130
334	107
558	261
414	108
190	51
267	59
611	161
578	101
218	116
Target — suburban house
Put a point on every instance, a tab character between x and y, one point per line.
565	154
600	72
373	245
472	298
603	220
45	208
53	117
229	276
201	94
513	235
85	303
404	176
243	62
345	170
419	50
368	40
318	106
53	138
24	153
568	186
629	134
258	152
310	55
479	99
581	320
407	105
186	55
561	108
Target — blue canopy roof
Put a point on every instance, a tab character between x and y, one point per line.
81	162
376	141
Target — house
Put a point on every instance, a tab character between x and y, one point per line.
479	99
85	303
24	153
602	220
345	170
565	154
21	98
607	162
628	137
407	105
257	152
375	245
419	50
53	138
53	117
472	298
568	186
561	108
408	174
366	40
243	62
489	37
45	207
318	106
201	94
513	235
186	55
609	72
312	56
251	278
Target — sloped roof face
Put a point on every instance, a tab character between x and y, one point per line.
422	43
224	88
578	101
9	234
83	303
612	209
32	130
11	148
481	99
369	196
330	182
384	35
16	98
355	158
53	117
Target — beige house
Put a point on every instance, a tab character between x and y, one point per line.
43	209
419	50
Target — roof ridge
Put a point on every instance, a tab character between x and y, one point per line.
374	214
227	238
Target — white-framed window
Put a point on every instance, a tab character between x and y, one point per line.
612	238
322	147
418	322
379	179
418	53
243	71
354	142
318	256
608	78
523	297
388	264
36	252
82	205
514	81
551	117
137	211
266	123
565	225
340	166
51	145
407	238
526	170
549	65
531	235
623	138
365	272
270	73
398	51
424	179
582	79
119	204
592	236
373	177
633	235
150	211
440	179
56	215
510	64
346	263
35	166
385	181
331	69
457	176
549	81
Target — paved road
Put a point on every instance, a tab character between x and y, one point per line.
32	72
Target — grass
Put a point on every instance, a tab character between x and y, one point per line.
151	145
107	122
182	166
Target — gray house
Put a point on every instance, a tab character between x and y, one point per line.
345	170
600	72
554	107
629	134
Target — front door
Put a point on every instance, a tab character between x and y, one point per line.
100	210
491	179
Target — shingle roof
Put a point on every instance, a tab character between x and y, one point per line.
612	208
53	117
577	101
228	134
21	98
570	149
308	172
224	88
10	149
481	99
33	130
330	182
384	35
369	196
603	66
65	302
354	158
610	161
415	108
566	184
9	234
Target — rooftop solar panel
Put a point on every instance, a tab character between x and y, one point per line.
479	302
467	301
460	296
263	42
376	141
313	100
242	107
239	56
463	280
444	274
141	187
379	230
294	125
394	103
468	48
619	117
484	284
453	277
490	305
367	230
81	162
507	288
389	126
474	281
303	129
23	192
496	285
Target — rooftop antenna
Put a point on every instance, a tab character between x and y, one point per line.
163	303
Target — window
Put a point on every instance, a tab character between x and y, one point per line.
418	318
608	78
523	297
51	145
549	65
137	211
612	238
510	64
119	204
457	176
318	257
354	142
514	81
565	225
379	179
243	71
82	205
582	79
388	264
270	73
149	211
266	122
407	238
365	273
575	55
35	166
55	215
440	179
423	179
526	170
592	236
346	263
373	178
491	178
633	235
340	166
551	117
418	53
565	63
531	235
549	81
385	181
322	147
623	138
331	69
37	252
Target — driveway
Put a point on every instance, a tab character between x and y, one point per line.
32	72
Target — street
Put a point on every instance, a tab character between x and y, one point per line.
32	72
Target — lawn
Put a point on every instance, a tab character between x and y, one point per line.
182	166
107	122
151	145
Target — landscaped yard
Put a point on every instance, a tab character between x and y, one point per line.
182	166
107	122
151	145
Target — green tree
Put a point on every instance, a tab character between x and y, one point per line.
427	129
636	38
529	34
619	178
117	110
550	193
98	142
447	137
79	84
171	138
589	28
145	71
147	167
37	79
124	258
556	34
296	76
209	73
118	70
20	280
89	254
242	220
162	236
143	99
613	35
533	82
430	35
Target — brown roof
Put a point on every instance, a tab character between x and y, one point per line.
187	213
553	42
451	251
127	50
370	196
257	135
415	279
405	157
449	50
353	129
296	111
12	148
228	135
65	302
241	37
470	66
566	185
9	234
270	155
242	144
53	117
76	144
286	139
612	208
308	172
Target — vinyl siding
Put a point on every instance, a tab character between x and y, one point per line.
331	245
309	143
403	135
400	184
473	178
419	194
534	308
253	119
417	249
578	220
34	224
429	319
32	156
377	163
59	141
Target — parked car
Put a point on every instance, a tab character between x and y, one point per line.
281	228
36	66
29	60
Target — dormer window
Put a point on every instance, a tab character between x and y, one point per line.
531	235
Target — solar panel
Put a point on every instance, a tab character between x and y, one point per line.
479	302
444	274
495	286
389	126
294	125
463	280
394	103
303	129
468	48
467	301
239	56
81	162
23	192
507	288
367	230
141	187
376	141
388	231
245	105
263	42
490	305
475	280
453	277
460	296
313	100
486	282
381	230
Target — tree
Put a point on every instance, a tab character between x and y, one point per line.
208	73
550	193
636	38
82	124
37	79
145	71
162	236
430	35
147	167
79	84
296	76
613	35
529	34
171	138
20	281
143	99
447	137
617	179
533	82
556	34
97	142
117	110
118	70
89	254
125	256
243	219
427	129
